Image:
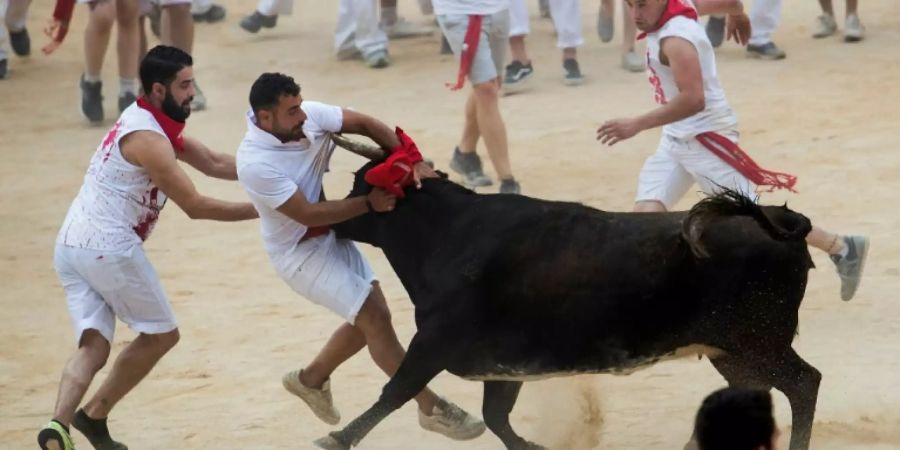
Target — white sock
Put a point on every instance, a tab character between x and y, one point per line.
127	86
91	78
845	249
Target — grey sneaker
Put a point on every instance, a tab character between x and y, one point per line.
199	101
254	22
850	267
318	400
510	186
517	77
544	8
92	100
767	51
633	62
572	75
20	42
854	31
825	26
378	59
451	421
125	100
402	29
469	166
215	13
715	30
605	26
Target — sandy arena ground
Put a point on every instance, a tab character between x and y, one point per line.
827	114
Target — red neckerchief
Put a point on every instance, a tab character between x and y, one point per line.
396	172
469	48
170	126
674	9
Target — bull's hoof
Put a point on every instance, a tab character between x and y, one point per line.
330	443
531	446
691	445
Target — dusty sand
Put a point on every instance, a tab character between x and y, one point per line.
827	114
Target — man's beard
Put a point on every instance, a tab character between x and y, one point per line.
289	135
176	112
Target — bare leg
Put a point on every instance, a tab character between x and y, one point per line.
92	353
491	126
517	49
851	6
570	53
629	30
128	42
96	36
828	7
374	320
471	133
177	27
131	366
826	241
346	341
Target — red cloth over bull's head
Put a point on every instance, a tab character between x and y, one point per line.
396	172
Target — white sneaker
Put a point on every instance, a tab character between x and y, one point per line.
318	400
825	26
854	31
633	62
451	421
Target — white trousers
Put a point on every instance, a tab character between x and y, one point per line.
566	15
764	17
358	26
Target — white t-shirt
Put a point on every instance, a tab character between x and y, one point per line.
469	7
717	115
271	171
118	205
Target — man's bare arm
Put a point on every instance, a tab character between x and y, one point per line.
154	153
208	162
719	7
335	211
685	64
378	131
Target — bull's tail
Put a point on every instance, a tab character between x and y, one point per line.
780	224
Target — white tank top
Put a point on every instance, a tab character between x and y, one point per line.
717	115
118	205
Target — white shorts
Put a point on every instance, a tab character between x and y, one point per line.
487	64
333	273
678	163
101	286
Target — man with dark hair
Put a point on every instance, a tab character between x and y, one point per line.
281	163
99	255
736	419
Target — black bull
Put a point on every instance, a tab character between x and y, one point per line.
508	288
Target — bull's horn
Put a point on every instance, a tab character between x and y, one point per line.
366	151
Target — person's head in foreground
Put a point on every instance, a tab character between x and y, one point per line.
736	419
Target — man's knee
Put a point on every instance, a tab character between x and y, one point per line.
164	342
489	91
94	349
374	316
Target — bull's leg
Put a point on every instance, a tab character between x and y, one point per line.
421	363
499	399
788	373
